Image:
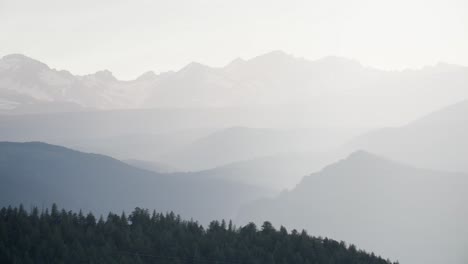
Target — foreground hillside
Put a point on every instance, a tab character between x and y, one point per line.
36	174
414	215
68	237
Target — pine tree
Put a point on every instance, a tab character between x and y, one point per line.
67	237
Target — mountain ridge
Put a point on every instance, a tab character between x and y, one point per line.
35	173
337	87
363	195
436	140
330	59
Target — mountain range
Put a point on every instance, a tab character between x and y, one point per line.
221	142
187	139
341	89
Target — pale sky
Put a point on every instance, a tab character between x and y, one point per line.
131	37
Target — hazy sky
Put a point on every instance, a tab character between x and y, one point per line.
131	37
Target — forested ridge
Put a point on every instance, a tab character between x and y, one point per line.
60	236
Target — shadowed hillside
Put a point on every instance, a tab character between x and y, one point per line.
414	215
38	174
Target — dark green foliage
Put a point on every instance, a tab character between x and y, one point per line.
61	236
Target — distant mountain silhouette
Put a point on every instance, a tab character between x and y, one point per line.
279	172
151	166
235	144
186	139
39	174
339	88
439	140
23	76
388	207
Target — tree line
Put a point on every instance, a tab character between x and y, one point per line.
60	236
